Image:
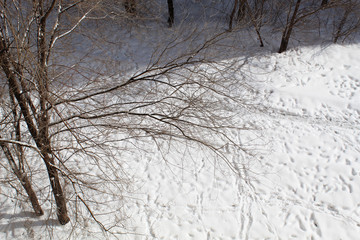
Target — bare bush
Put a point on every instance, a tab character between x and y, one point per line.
349	21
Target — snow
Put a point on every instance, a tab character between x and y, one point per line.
305	183
307	186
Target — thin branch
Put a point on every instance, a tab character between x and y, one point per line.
21	144
72	29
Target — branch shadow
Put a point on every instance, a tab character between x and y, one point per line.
24	219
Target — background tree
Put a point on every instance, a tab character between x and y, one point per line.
349	21
232	15
291	20
171	18
298	12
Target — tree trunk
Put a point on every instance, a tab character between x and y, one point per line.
56	188
254	22
236	2
40	136
341	24
289	28
171	18
241	11
23	178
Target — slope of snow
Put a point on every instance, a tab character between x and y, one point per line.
307	184
315	134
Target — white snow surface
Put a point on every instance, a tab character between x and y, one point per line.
305	184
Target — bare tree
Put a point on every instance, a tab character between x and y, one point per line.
15	154
18	170
171	18
349	21
241	8
65	109
254	19
26	70
291	21
232	15
298	12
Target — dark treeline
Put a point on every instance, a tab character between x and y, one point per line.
341	18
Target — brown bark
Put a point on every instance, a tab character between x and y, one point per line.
241	11
23	178
171	18
341	24
56	187
39	133
254	22
236	2
289	28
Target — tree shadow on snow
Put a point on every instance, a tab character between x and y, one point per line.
24	219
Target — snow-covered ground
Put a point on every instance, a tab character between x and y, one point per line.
303	184
313	192
306	184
